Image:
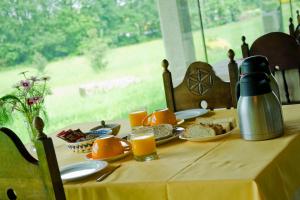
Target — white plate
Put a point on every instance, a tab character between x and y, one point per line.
204	139
162	141
189	114
81	170
175	135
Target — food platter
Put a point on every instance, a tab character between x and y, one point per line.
175	134
204	139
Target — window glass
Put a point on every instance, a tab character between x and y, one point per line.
103	57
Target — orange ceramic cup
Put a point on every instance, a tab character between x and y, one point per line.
136	118
163	116
107	146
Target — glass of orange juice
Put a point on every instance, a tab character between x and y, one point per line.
136	118
143	144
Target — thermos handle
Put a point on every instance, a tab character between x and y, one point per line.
238	90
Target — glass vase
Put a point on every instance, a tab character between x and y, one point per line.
31	133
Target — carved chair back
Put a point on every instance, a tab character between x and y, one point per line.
283	54
201	85
24	177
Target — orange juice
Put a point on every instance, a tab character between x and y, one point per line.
136	118
143	145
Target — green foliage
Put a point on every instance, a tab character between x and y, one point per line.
95	48
269	5
39	62
217	12
57	28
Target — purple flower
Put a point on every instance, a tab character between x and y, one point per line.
25	84
33	100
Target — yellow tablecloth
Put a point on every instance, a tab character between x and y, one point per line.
227	169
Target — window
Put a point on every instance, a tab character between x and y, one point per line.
104	57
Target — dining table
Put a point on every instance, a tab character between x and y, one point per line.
229	168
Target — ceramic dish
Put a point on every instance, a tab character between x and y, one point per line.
165	140
110	159
82	146
127	151
190	114
81	170
175	134
114	127
204	139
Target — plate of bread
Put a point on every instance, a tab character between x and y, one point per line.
207	129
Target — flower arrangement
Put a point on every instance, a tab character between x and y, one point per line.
28	99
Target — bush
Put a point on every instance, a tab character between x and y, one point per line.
95	49
39	62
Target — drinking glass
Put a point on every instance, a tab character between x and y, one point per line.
143	144
136	118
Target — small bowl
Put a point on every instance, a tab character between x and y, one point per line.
114	127
100	132
82	146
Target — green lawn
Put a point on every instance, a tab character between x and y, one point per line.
140	62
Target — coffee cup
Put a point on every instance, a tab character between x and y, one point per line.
108	146
162	116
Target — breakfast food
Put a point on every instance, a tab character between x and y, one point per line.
198	130
204	130
227	123
71	135
204	127
162	131
77	141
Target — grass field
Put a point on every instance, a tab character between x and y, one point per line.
140	62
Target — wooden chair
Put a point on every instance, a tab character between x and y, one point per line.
283	54
24	177
201	84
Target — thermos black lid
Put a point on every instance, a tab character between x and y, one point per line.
254	84
255	64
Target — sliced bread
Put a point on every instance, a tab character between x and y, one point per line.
199	130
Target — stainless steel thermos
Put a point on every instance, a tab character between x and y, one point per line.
259	109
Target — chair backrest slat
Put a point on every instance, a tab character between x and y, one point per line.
18	171
200	84
24	177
